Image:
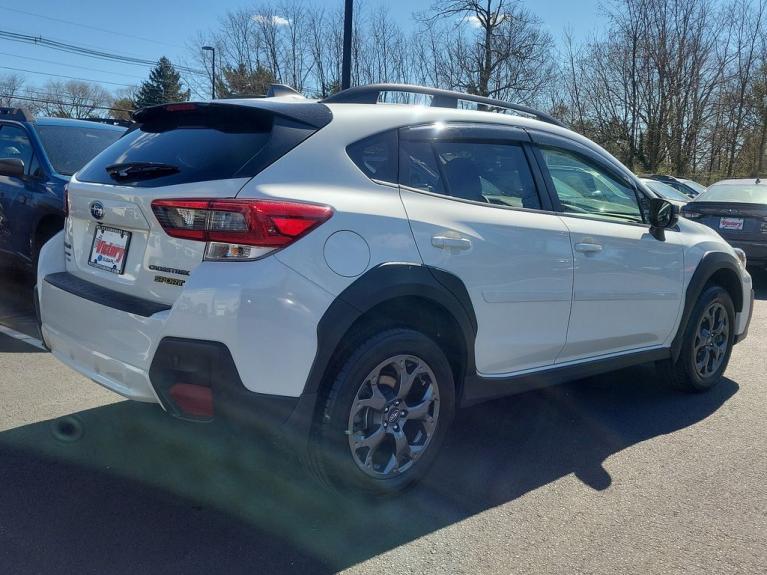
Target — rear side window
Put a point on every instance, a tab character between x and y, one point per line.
493	173
212	143
376	156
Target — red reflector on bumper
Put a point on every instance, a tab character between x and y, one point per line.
193	400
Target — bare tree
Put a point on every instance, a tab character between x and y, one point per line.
11	87
72	99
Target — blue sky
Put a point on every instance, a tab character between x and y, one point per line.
152	28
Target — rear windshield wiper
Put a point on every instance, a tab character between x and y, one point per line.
132	171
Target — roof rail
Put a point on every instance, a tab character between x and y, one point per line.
371	93
282	90
18	114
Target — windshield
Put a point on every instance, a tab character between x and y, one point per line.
737	193
665	191
69	148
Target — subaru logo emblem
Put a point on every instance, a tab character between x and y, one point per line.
97	210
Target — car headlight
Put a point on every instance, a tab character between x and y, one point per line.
741	256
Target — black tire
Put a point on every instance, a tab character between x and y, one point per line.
683	373
331	454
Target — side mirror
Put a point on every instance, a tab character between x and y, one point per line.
12	167
663	215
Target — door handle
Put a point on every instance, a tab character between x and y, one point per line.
588	248
450	243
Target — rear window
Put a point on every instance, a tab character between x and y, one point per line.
210	143
69	148
738	193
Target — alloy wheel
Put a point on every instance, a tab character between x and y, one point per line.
394	416
711	340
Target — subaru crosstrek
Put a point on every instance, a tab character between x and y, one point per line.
351	272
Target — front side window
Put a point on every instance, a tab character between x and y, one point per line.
586	189
15	144
494	173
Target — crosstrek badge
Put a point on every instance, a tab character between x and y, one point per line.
110	249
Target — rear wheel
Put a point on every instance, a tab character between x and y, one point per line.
707	344
386	414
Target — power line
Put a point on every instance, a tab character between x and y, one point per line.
83	51
61	102
51	18
64	76
69	65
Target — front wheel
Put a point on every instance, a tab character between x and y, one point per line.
707	344
386	414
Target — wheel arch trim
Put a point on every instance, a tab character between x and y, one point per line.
711	264
388	282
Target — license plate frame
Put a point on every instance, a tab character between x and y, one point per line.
113	264
728	223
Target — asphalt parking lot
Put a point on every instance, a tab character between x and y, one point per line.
608	475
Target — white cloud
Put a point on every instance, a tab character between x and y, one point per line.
473	21
276	20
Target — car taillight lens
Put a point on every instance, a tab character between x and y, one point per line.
239	229
66	200
690	215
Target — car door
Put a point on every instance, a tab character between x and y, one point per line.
14	144
628	286
476	210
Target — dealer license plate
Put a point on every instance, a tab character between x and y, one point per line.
110	249
730	223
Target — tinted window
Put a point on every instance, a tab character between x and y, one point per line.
69	148
481	172
586	189
418	167
212	143
14	143
376	156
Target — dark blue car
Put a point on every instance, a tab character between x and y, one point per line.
37	157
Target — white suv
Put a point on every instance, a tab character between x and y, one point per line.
351	272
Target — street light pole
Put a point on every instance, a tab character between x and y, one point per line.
212	50
346	65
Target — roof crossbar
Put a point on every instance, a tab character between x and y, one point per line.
371	94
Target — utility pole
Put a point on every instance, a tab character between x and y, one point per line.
212	50
346	65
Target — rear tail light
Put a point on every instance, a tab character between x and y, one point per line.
66	200
239	229
690	215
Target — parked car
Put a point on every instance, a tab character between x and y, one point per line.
737	209
37	157
690	188
666	192
350	273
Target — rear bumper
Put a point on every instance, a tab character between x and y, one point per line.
262	313
756	252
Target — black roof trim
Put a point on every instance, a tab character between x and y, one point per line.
440	99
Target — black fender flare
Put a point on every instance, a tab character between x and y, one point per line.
710	264
378	285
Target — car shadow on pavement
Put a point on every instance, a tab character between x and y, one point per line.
126	489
